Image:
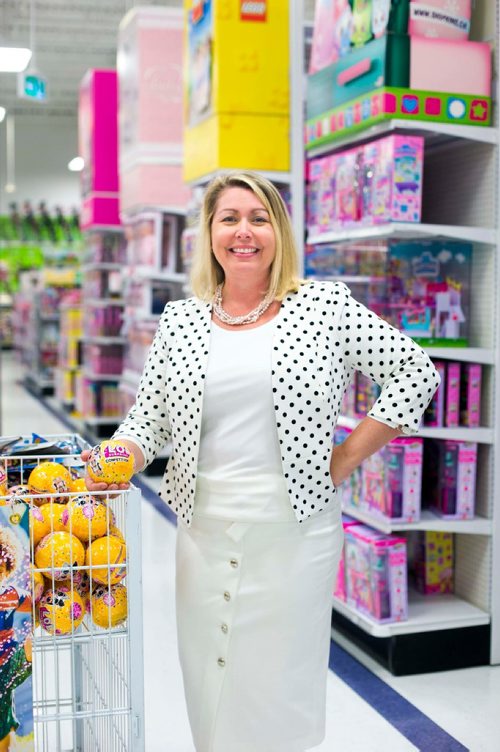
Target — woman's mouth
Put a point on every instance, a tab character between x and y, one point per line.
243	250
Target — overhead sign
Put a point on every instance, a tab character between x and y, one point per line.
32	85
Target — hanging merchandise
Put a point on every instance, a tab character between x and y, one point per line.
236	99
381	59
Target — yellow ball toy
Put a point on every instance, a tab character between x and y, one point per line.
37	584
81	583
59	552
46	519
108	606
113	530
61	610
110	554
87	518
111	462
3	482
78	485
50	477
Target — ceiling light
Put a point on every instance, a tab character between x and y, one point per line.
14	59
10	188
3	112
76	164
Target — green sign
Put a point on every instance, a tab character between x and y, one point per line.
33	86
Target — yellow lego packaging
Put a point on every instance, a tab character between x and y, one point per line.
236	86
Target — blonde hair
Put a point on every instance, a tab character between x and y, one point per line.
207	273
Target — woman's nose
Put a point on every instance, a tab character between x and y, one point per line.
243	229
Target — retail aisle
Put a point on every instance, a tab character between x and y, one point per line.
368	710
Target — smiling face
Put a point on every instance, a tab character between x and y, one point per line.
243	239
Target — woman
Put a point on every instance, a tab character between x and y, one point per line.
246	379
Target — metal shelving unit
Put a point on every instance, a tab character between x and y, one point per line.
461	184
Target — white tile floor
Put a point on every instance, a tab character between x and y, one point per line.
466	703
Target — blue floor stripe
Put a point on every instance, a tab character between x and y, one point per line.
411	723
414	725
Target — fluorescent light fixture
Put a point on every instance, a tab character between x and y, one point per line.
10	188
76	164
14	59
3	112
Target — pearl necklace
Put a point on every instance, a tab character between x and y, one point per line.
248	318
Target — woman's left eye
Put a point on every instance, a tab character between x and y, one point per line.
260	220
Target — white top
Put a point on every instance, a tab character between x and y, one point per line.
239	463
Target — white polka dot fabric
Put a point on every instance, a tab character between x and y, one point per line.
321	335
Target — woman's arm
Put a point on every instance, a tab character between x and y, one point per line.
366	439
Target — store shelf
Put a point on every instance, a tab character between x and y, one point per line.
165	276
101	266
435	134
406	231
105	340
101	376
428	521
425	614
461	433
103	302
466	354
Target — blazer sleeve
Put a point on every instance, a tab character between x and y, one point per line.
147	422
401	368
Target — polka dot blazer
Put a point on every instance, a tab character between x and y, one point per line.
322	334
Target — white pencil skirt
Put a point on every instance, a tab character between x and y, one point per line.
254	622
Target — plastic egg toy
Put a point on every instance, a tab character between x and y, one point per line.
108	606
59	552
16	493
85	517
61	610
37	584
46	519
106	556
110	462
50	477
78	485
3	481
113	530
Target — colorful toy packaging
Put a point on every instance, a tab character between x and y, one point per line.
450	478
340	584
432	561
440	19
350	489
376	574
452	408
457	400
428	291
470	395
434	415
392	480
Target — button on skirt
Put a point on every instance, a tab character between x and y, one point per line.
254	622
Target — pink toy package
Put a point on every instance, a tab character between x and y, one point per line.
332	33
347	164
470	395
452	407
340	589
376	574
434	415
454	66
440	19
392	481
392	179
450	478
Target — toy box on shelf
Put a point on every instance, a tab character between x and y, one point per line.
430	554
376	182
458	397
375	60
76	585
69	350
152	241
376	574
449	485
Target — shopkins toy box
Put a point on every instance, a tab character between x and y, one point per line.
432	562
392	481
376	574
428	291
392	174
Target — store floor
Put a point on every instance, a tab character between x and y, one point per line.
445	712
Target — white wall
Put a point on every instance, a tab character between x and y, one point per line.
43	150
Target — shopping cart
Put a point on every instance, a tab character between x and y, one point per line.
86	604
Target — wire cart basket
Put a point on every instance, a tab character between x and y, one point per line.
83	587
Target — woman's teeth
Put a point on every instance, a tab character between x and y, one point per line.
243	250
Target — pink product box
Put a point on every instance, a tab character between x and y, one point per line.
470	395
432	562
450	474
434	415
161	185
346	190
350	490
321	195
104	359
440	19
376	574
452	406
392	481
340	585
391	179
457	67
